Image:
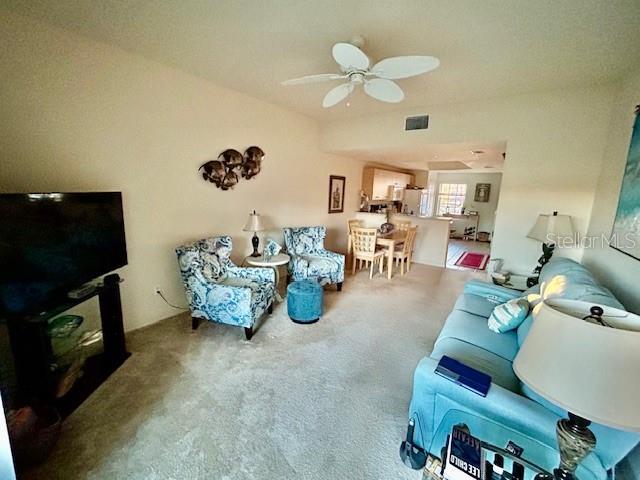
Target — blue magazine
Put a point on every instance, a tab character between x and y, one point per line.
464	375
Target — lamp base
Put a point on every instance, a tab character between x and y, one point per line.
547	253
575	442
255	241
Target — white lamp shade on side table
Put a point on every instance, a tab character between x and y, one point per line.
590	370
548	228
254	223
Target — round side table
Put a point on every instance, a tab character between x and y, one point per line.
270	262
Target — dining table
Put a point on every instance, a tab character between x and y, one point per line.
389	241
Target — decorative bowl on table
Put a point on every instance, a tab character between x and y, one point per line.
386	228
63	326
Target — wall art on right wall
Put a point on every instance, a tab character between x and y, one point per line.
483	192
626	227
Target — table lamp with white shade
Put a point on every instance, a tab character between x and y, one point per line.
548	229
583	358
254	224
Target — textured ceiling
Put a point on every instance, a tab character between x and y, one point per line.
487	48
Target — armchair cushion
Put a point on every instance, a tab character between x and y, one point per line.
318	265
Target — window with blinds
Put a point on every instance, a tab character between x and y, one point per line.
451	198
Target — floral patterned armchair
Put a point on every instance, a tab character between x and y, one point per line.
218	290
309	259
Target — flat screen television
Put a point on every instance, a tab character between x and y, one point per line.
51	243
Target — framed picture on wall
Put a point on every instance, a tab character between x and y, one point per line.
336	194
483	191
626	235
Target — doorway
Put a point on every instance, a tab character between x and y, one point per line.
470	200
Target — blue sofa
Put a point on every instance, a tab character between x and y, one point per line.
510	411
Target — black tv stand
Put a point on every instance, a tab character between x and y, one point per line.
32	351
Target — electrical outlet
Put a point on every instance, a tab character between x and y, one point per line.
157	291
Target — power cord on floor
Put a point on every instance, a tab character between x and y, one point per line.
159	292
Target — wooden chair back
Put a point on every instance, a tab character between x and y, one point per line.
354	223
402	225
407	246
364	240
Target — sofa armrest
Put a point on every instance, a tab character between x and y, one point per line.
437	402
500	405
494	293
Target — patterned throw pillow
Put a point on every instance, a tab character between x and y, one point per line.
272	248
509	316
212	268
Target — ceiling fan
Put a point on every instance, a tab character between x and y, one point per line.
377	79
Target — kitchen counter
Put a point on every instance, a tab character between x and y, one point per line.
432	236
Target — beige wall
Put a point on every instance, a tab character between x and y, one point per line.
486	210
555	142
618	271
76	115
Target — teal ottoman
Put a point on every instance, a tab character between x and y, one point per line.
304	301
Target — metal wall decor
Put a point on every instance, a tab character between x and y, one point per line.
225	172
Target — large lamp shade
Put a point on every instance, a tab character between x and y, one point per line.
591	370
548	228
254	223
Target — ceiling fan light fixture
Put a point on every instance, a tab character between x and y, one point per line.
355	66
357	78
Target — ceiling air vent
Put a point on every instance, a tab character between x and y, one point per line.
420	122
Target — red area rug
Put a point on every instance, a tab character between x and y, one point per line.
473	260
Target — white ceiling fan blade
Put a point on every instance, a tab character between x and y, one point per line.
323	77
384	90
337	94
394	68
350	57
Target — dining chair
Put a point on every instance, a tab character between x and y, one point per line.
402	225
364	249
352	223
405	251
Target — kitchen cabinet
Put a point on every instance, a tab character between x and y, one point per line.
376	182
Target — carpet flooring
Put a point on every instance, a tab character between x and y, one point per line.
321	401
